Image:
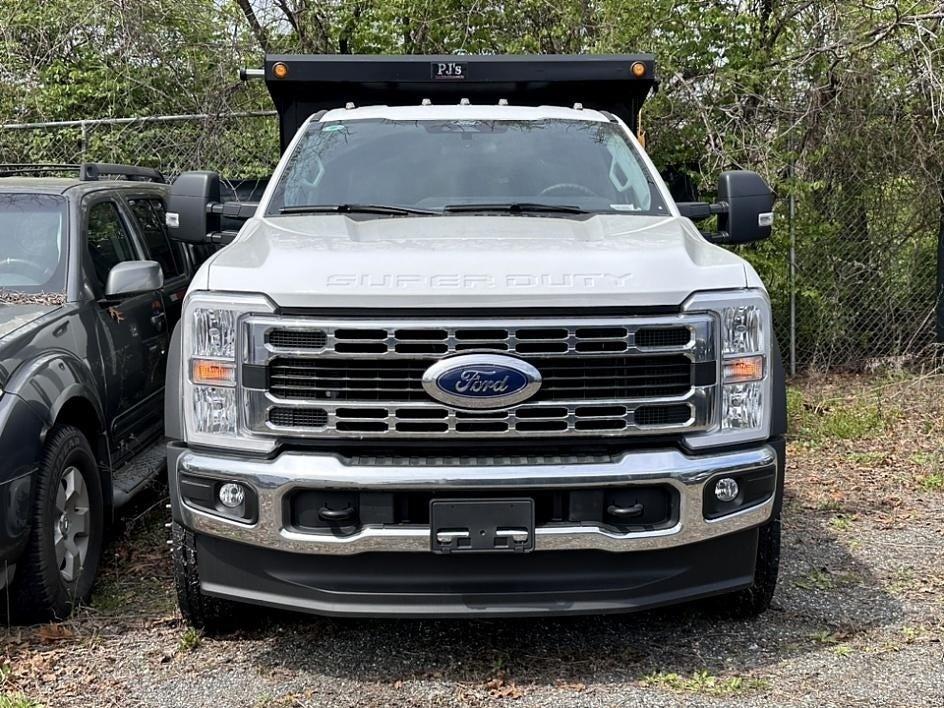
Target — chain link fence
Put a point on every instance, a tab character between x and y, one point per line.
239	145
852	269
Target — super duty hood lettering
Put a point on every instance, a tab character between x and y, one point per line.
406	281
470	261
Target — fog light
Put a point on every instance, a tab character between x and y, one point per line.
233	495
726	489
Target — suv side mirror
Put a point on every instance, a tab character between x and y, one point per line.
744	208
195	212
130	277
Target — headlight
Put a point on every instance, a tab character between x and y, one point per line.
744	321
210	358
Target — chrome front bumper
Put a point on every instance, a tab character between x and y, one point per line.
273	479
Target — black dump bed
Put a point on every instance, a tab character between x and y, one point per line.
311	83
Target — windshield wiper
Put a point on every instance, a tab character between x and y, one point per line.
517	208
354	209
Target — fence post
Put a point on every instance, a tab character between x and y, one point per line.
792	217
83	141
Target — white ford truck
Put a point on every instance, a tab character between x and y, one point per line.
468	357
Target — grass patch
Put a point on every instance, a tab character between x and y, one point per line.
17	700
847	419
933	482
702	682
825	636
190	640
842	522
816	579
866	458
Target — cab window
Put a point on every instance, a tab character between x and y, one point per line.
149	214
108	240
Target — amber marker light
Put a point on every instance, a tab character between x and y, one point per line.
638	69
209	371
280	70
744	369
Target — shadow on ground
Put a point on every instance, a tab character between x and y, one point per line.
824	592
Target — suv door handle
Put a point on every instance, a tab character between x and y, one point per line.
159	320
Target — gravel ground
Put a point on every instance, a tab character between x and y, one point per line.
858	618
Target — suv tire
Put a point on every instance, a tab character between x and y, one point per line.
57	569
209	614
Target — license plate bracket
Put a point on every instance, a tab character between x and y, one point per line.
481	525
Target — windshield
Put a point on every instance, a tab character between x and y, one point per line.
445	164
32	243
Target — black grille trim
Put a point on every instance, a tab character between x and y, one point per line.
674	414
564	378
298	417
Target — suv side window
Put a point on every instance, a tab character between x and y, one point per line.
150	216
108	240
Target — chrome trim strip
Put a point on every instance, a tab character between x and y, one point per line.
701	347
273	479
700	400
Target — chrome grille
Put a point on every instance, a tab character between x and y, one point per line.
363	378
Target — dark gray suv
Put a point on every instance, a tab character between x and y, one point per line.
90	288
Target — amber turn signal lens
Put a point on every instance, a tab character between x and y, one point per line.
280	70
744	369
208	371
638	69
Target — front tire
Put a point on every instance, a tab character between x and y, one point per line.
201	611
755	599
57	570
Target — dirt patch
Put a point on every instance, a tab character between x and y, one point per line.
858	618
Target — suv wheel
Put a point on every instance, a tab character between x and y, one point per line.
201	611
57	570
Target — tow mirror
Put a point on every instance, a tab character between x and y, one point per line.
745	208
195	212
130	277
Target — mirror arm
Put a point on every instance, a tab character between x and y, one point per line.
718	238
699	211
233	210
221	238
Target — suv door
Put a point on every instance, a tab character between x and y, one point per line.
149	213
133	332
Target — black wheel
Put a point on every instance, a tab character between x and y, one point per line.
201	611
755	599
57	571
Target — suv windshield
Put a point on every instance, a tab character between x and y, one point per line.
32	243
432	165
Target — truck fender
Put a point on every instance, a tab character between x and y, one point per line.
54	386
59	387
52	381
778	416
173	411
21	432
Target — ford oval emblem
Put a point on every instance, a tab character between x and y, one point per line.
481	381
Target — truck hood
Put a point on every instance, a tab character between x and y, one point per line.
333	261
